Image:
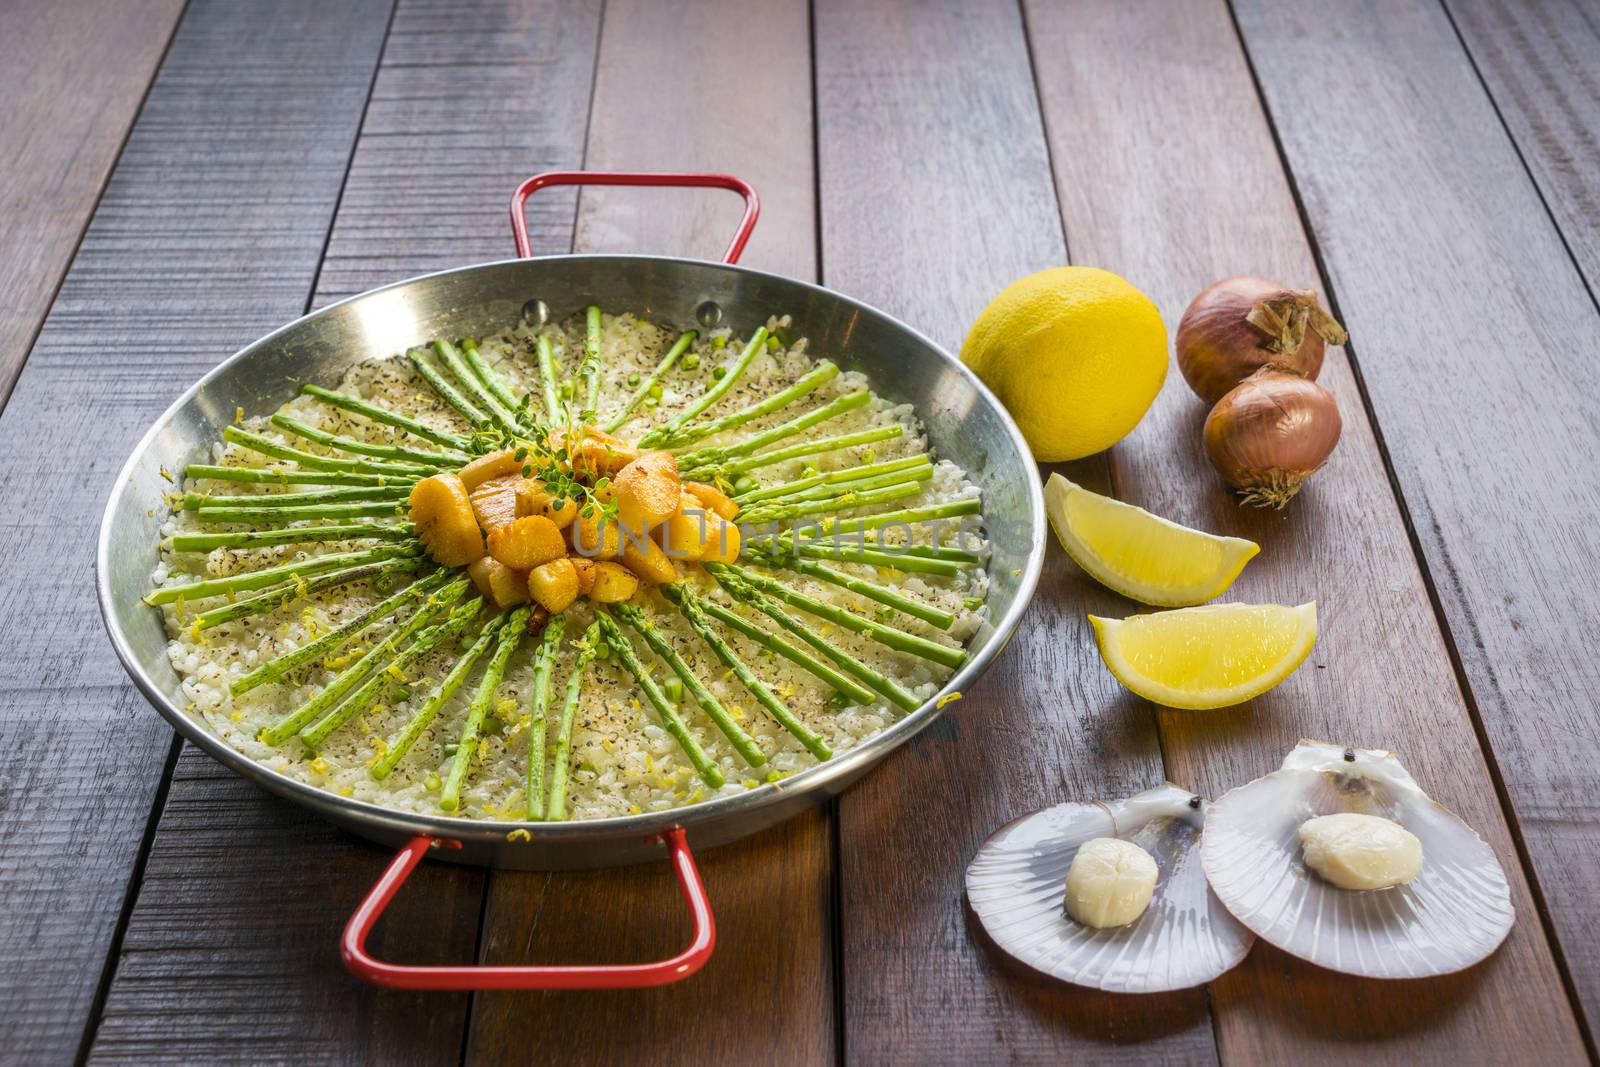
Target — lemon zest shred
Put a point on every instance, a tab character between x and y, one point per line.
949	698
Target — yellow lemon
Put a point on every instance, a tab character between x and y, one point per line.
1142	556
1076	354
1207	657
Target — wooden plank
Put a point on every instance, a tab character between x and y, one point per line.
1168	175
471	99
767	996
72	74
1541	62
452	125
936	192
208	235
231	954
758	128
1475	337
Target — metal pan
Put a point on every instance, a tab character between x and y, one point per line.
964	422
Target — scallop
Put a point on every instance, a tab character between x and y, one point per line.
1453	913
1185	937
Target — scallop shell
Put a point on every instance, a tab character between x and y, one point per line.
1453	914
1017	886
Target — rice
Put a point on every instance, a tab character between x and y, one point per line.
623	761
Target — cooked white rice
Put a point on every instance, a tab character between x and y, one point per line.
624	762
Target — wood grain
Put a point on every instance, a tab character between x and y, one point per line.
208	235
663	100
706	86
936	192
72	75
471	98
232	954
1192	149
250	947
1475	336
1541	62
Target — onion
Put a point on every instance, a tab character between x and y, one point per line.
1270	433
1241	324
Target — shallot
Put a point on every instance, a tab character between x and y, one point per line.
1239	325
1270	433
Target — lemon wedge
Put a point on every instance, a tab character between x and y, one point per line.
1207	657
1140	555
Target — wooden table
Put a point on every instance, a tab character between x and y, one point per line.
179	178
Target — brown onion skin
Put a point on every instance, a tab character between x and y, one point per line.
1217	348
1270	433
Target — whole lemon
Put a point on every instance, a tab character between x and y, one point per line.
1076	354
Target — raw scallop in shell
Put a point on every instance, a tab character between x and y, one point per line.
1017	885
1453	913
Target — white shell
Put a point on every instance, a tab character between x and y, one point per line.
1017	886
1454	913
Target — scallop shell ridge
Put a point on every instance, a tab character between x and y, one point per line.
1016	886
1452	915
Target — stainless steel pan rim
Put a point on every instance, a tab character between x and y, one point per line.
506	842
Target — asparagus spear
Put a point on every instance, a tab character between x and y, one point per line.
407	738
951	510
703	765
900	602
345	680
547	376
900	561
273	599
398	453
269	576
256	443
292	535
276	669
898	640
679	347
491	381
827	478
816	447
471	379
869	542
860	483
510	636
781	645
442	438
345	510
755	442
449	393
589	369
824	371
730	375
392	673
362	494
742	742
587	645
880	683
847	501
730	659
538	706
280	476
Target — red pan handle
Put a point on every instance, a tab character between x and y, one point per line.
752	203
352	945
